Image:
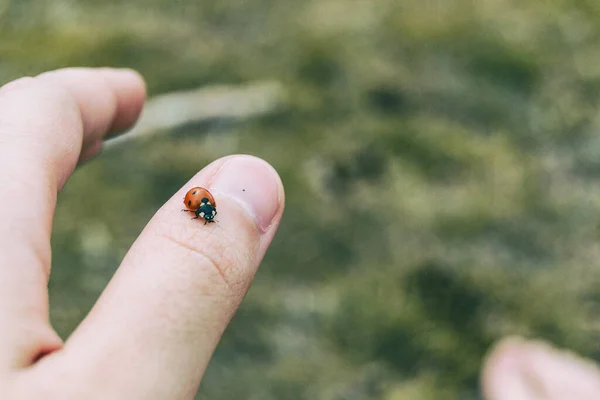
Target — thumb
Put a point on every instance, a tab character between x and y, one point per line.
155	327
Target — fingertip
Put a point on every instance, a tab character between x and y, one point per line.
517	369
131	91
255	185
110	100
504	375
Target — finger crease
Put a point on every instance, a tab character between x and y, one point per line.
211	261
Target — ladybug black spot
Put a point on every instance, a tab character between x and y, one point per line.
194	192
189	202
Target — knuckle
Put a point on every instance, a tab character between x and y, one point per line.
53	102
57	95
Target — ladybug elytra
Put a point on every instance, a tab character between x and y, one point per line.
199	201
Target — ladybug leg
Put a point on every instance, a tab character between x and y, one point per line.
191	212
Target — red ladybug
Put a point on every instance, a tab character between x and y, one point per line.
199	201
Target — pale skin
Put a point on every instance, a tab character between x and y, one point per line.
154	329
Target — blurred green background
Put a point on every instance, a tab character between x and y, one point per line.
441	192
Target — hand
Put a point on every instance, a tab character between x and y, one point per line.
153	331
520	370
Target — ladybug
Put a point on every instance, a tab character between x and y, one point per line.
199	201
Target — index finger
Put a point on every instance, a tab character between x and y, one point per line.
45	124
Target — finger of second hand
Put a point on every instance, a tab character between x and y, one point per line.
43	124
517	369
